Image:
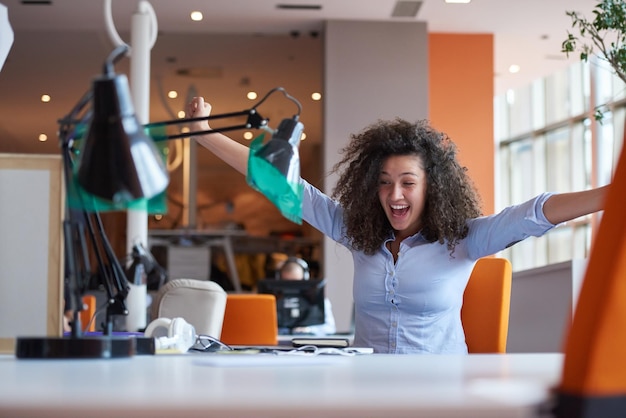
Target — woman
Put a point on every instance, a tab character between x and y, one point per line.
410	216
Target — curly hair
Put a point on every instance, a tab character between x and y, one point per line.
451	198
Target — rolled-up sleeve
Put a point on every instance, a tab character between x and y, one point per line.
490	234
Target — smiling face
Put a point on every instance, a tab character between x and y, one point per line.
402	193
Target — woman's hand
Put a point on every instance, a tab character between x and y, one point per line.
198	108
231	152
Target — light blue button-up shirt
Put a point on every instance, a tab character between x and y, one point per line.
414	304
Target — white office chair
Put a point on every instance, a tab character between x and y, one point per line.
201	303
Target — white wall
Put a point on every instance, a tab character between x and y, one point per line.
373	70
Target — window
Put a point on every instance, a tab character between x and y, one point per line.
548	140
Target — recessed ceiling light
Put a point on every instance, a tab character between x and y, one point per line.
172	94
514	69
196	16
43	137
316	96
45	98
251	95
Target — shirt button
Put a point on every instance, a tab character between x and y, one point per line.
394	324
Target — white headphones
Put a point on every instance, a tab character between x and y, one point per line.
171	334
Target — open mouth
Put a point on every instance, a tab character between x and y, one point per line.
399	210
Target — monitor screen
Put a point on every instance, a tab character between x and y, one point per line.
299	303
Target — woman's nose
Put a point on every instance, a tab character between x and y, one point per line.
396	192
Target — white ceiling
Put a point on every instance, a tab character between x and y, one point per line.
60	47
528	33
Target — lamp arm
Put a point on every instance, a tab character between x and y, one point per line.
73	238
110	271
77	258
114	56
287	95
254	121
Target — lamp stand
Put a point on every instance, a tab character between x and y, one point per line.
76	271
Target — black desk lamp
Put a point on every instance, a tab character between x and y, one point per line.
120	163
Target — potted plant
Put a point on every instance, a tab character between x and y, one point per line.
603	36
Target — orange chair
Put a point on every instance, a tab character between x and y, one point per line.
89	310
250	319
486	306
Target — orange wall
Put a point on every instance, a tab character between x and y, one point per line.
461	102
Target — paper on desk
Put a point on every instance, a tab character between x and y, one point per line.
266	360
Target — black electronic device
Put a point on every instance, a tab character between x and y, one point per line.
299	303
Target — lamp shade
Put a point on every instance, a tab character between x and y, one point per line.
274	169
119	162
282	150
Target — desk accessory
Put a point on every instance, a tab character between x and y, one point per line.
120	163
175	335
321	342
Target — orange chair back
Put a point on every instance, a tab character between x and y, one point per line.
89	310
486	306
250	319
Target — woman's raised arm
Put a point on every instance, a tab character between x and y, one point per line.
228	150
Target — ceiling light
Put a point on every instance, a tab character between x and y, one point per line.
181	114
514	69
172	94
458	1
251	95
248	135
316	96
45	98
196	16
43	137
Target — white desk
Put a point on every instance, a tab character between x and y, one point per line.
370	385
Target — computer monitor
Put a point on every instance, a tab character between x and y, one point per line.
299	303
